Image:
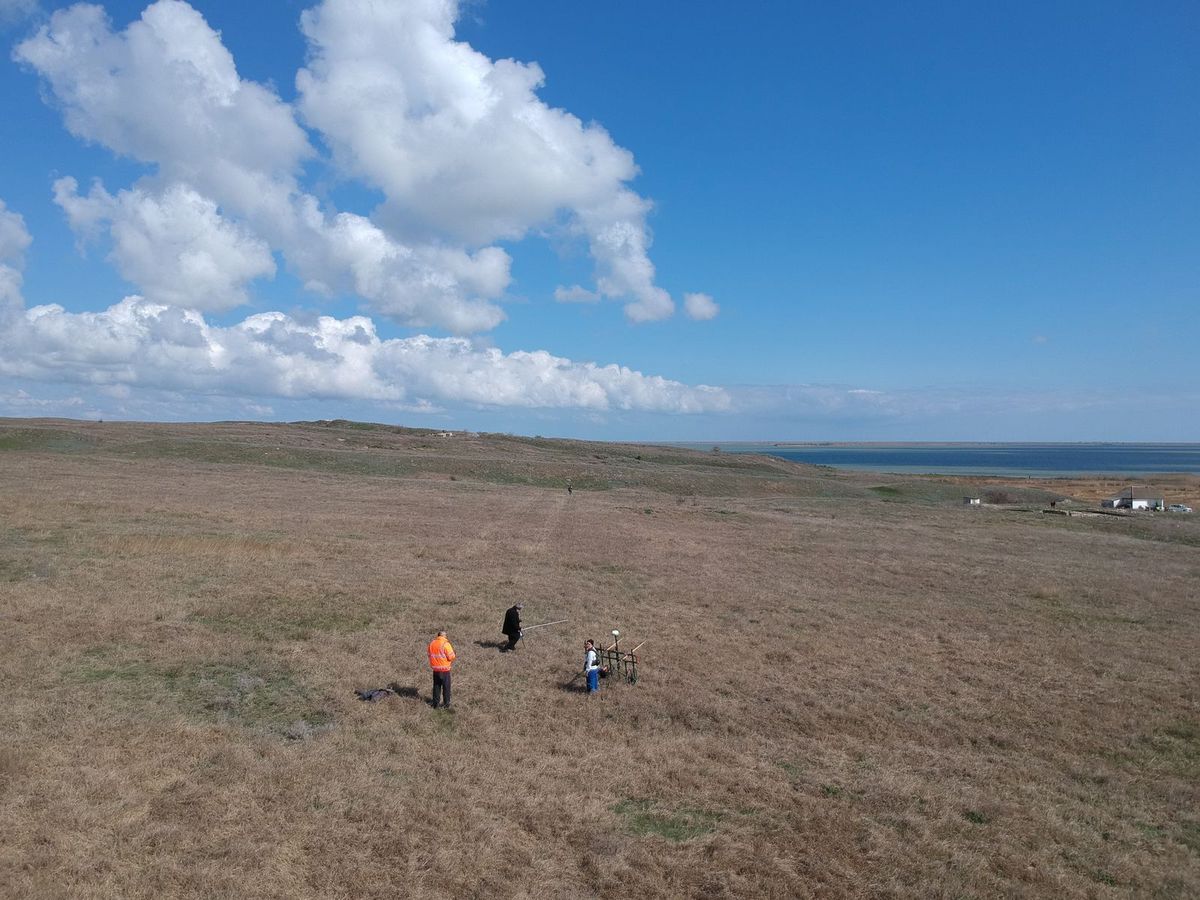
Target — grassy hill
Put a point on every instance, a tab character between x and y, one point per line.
851	685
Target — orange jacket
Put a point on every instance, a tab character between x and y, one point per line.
441	654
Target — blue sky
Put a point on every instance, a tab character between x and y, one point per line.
789	221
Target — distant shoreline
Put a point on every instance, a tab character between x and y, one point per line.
704	445
983	459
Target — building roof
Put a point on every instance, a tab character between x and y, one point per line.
1134	492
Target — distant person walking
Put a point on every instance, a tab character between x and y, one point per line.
591	666
441	655
511	628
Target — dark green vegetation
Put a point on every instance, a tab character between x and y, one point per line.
246	694
644	817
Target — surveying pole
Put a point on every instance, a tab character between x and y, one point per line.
544	624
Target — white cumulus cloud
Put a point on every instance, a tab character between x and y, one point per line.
700	307
461	144
576	293
166	91
174	245
462	148
14	237
142	345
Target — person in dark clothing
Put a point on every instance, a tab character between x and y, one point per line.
511	628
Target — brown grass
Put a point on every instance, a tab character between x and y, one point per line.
845	692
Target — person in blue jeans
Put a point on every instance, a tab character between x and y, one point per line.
591	666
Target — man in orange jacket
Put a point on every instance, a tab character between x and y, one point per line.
441	655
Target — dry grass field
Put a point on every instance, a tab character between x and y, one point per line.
852	685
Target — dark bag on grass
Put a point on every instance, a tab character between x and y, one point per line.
373	694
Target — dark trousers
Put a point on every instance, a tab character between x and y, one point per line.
441	683
512	641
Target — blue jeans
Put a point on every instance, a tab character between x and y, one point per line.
593	678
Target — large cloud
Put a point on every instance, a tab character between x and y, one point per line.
462	144
138	344
461	147
174	244
166	91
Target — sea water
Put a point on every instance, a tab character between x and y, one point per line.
988	459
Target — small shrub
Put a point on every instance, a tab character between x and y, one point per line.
1189	835
643	819
793	770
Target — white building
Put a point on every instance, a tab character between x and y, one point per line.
1135	498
